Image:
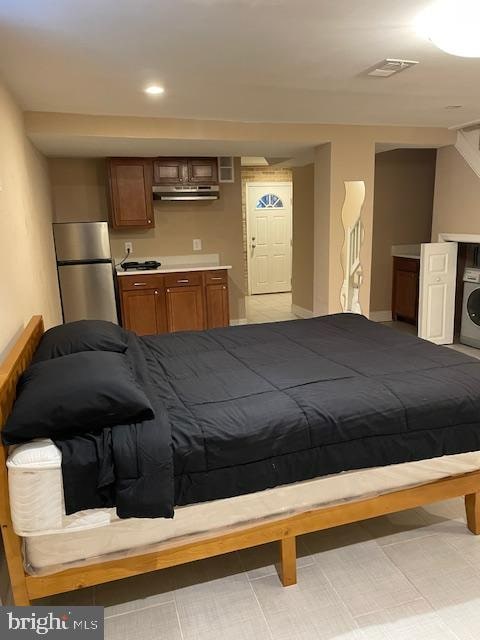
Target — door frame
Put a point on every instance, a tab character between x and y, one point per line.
265	183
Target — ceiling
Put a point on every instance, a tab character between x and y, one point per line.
242	60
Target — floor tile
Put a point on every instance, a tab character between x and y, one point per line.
309	609
457	534
155	623
263	560
443	576
215	600
426	559
271	307
137	592
411	621
447	510
77	598
398	527
364	577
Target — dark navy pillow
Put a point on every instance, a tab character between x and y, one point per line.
75	394
82	335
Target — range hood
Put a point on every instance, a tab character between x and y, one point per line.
186	192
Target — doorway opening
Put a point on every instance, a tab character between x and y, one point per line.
269	237
267	194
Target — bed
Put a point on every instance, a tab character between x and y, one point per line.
419	445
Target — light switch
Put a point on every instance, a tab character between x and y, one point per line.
197	245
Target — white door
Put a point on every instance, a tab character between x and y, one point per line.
269	236
436	310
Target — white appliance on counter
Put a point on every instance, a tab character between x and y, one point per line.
85	271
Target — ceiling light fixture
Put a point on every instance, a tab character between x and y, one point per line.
154	90
452	25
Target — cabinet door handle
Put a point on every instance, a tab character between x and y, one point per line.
216	278
168	290
156	292
139	284
183	281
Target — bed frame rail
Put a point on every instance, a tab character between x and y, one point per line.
282	530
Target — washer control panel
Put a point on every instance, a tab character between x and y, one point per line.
471	275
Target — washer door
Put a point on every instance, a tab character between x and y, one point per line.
473	306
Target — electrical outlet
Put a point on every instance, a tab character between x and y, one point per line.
129	248
197	245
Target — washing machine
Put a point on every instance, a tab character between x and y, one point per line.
470	330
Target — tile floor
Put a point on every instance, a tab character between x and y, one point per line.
271	307
408	576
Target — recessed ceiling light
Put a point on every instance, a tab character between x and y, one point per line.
452	25
154	90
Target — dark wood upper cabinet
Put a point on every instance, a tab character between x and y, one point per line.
171	171
130	189
203	170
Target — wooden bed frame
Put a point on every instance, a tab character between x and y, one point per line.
281	529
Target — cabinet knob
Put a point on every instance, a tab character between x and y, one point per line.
156	292
168	290
149	222
224	287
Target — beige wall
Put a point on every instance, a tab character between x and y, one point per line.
303	240
258	174
321	228
79	193
402	212
456	207
28	284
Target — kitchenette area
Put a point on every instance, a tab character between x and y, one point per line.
152	243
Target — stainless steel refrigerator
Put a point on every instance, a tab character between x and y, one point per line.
85	271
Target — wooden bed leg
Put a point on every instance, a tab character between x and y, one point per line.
14	557
288	561
472	508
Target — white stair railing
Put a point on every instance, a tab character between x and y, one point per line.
352	253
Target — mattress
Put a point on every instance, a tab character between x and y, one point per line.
54	541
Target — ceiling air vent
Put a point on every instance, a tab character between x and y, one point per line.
390	66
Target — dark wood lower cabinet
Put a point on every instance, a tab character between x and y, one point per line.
405	289
160	303
216	297
185	310
143	311
139	311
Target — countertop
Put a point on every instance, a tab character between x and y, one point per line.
179	268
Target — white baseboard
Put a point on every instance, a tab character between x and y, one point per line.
381	316
237	321
301	312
